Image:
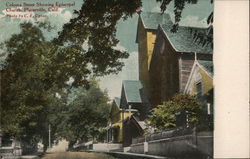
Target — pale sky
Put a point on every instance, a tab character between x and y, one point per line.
193	15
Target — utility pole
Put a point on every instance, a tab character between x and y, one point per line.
1	134
49	136
123	131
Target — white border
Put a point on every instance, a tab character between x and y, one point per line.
231	78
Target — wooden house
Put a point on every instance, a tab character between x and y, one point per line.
133	102
145	37
172	60
133	128
134	97
117	115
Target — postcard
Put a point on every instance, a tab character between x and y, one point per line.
107	79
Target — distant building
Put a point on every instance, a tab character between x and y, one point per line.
132	128
117	115
10	147
134	97
133	104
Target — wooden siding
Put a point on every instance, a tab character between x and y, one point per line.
150	45
185	69
164	76
146	41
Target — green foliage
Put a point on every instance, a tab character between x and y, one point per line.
164	116
27	90
36	69
84	116
95	25
22	87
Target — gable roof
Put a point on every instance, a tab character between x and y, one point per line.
207	65
132	90
141	125
151	20
183	40
117	100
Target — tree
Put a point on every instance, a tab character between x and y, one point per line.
21	78
31	76
26	93
84	116
164	116
95	25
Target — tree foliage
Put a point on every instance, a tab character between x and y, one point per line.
164	116
22	88
84	116
27	92
95	25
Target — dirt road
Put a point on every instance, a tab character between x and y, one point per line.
76	155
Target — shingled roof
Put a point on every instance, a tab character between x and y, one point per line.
132	89
151	20
183	40
207	65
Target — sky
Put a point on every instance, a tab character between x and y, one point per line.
193	15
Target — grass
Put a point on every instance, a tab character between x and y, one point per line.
76	155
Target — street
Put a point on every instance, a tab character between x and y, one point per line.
76	155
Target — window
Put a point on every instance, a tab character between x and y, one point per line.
199	89
162	46
199	86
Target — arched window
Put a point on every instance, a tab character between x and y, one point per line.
162	46
199	86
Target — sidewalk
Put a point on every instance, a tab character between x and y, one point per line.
126	155
33	156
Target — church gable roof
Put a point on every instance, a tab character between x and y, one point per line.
205	65
183	40
132	89
151	20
